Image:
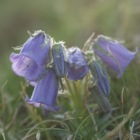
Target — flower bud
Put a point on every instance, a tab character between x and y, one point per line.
100	76
60	59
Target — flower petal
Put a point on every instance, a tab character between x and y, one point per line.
26	67
45	92
37	48
77	64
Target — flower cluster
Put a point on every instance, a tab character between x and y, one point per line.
43	62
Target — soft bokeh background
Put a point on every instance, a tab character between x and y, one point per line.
72	21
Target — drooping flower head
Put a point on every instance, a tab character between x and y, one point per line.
113	53
33	57
78	67
45	91
60	59
100	76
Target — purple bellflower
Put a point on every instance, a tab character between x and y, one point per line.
30	62
114	54
60	59
78	67
45	91
100	76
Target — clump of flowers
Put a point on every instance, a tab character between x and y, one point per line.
43	62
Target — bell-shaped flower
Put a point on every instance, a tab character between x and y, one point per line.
60	59
113	53
100	76
30	62
78	67
45	91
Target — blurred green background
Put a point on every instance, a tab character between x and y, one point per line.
72	21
